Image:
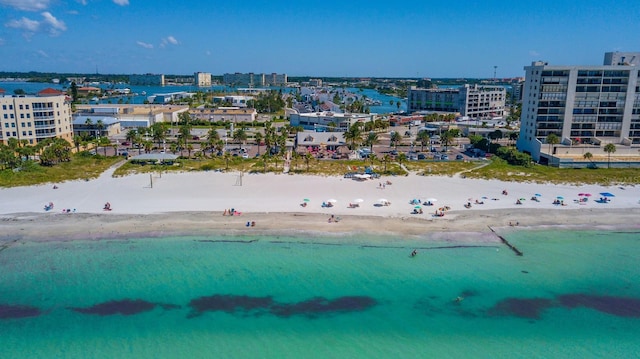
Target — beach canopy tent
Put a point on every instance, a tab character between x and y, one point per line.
154	158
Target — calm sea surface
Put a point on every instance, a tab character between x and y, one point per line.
572	294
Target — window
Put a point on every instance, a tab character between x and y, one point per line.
27	107
6	124
22	124
21	107
13	125
22	115
6	116
28	115
10	107
24	133
30	133
12	116
8	134
4	107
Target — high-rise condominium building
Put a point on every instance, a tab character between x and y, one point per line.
202	79
586	105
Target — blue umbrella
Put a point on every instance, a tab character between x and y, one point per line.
607	194
560	197
538	195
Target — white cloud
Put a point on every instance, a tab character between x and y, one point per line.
27	5
534	53
55	25
25	24
172	40
121	2
83	2
168	40
42	53
29	27
144	44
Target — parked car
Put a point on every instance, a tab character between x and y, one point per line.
422	156
245	155
125	143
459	157
444	157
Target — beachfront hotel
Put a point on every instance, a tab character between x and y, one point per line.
586	107
35	118
472	101
327	120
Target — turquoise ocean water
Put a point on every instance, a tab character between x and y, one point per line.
572	294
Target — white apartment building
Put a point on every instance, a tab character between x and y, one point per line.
202	79
473	101
582	105
35	118
327	121
254	80
233	114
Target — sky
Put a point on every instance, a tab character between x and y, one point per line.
330	38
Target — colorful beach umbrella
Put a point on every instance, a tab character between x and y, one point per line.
559	197
607	194
538	195
306	200
417	207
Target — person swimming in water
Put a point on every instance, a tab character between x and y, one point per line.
414	253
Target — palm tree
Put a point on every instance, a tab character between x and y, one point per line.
240	136
265	158
588	156
99	127
552	140
609	149
89	123
226	157
258	137
307	157
353	135
386	159
402	157
396	138
370	140
104	142
372	157
424	139
446	139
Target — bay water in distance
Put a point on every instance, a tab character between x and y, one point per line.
572	294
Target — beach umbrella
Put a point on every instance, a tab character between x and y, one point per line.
587	194
382	200
306	200
417	207
358	200
559	197
538	195
523	199
607	194
580	194
432	200
331	200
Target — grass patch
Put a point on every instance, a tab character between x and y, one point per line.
500	170
440	168
80	167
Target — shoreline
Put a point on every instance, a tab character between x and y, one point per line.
459	226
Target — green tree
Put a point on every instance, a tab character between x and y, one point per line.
396	138
609	148
424	138
240	136
552	139
74	92
386	159
258	137
370	140
307	158
353	135
447	139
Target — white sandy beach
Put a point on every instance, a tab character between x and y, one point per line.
192	202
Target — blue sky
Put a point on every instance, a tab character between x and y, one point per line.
315	38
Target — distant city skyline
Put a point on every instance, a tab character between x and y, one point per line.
315	38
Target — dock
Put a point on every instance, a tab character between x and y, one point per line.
511	246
